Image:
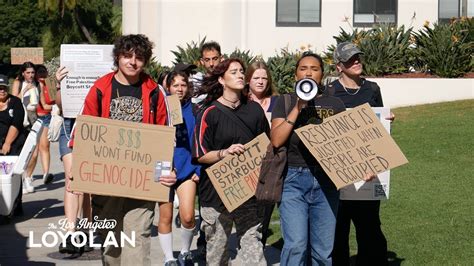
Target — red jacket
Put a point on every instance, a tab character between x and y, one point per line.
102	91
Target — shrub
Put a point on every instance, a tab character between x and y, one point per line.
246	56
154	68
446	49
190	54
282	68
384	47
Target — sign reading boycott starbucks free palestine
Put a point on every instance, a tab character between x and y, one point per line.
118	158
235	177
350	144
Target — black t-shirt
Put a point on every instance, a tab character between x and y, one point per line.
215	131
126	102
13	116
369	93
318	109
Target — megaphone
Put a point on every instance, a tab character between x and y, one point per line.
306	89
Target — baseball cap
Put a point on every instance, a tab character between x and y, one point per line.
186	68
3	80
344	51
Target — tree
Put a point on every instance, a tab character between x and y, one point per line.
73	21
22	26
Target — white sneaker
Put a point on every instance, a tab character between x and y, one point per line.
28	185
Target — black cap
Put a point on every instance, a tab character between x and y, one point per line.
3	80
186	68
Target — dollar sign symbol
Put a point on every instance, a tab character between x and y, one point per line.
137	137
130	140
121	141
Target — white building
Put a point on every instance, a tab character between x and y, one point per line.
265	26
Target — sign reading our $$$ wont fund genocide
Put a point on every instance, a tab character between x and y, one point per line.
350	144
118	158
235	177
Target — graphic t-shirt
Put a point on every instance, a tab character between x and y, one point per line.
126	102
318	109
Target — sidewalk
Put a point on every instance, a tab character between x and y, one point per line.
45	207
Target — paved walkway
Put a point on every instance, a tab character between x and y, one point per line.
45	207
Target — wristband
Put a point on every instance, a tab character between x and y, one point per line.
289	122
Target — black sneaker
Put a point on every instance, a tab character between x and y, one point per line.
185	259
87	247
68	247
48	178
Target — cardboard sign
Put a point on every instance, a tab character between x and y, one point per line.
118	158
235	177
25	54
85	63
350	144
174	106
379	188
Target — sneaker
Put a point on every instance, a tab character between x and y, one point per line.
68	247
185	259
48	178
171	263
28	185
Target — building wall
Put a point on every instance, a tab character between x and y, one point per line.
248	24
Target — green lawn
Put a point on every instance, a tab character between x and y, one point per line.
429	219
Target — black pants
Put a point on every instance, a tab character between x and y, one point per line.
371	243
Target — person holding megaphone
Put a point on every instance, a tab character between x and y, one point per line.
309	199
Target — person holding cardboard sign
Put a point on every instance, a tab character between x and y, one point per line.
187	175
128	94
227	121
354	91
309	199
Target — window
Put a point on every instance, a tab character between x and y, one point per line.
370	12
298	13
454	8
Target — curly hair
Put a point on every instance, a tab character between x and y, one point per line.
211	85
137	43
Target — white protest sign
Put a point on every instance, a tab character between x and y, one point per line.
85	63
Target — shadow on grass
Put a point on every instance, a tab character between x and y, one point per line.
393	259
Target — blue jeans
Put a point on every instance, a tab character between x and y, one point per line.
308	212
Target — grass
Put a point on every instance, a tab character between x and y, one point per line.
429	219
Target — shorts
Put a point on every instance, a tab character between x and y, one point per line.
45	119
65	136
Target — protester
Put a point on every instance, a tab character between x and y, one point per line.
127	94
12	132
187	175
210	56
43	112
354	91
260	89
76	204
26	87
309	200
217	136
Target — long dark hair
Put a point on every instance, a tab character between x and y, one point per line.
23	69
173	74
211	85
